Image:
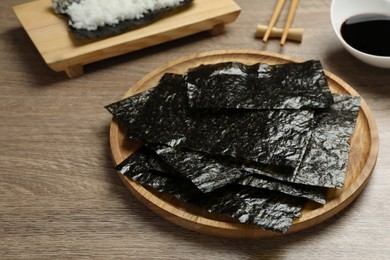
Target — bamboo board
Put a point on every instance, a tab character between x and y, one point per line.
62	52
363	155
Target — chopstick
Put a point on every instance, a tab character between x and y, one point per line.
274	17
290	17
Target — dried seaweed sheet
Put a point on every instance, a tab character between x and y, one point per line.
317	194
206	173
161	115
121	27
144	168
157	115
209	173
259	86
140	161
253	206
266	209
325	159
270	137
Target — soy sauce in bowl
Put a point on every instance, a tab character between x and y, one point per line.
368	33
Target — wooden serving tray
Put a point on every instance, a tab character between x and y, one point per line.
62	52
363	155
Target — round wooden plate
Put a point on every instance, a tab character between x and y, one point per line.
363	155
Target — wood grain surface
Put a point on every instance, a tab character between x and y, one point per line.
63	52
363	156
61	198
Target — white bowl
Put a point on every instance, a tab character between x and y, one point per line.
341	10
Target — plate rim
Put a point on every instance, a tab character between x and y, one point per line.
202	224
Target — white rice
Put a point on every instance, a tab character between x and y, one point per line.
90	14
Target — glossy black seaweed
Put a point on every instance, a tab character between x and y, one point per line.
158	115
258	166
206	173
161	115
265	209
140	161
326	156
209	173
325	160
259	86
145	168
317	194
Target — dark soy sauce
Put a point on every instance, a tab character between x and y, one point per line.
368	33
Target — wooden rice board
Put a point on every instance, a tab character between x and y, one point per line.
62	52
363	155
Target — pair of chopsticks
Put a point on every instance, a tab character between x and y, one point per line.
275	16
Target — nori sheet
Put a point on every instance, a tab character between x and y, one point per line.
317	194
121	27
266	209
206	173
141	161
209	173
161	115
270	136
157	115
259	86
144	167
325	159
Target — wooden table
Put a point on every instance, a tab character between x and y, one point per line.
61	198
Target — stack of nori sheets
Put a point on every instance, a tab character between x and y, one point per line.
252	142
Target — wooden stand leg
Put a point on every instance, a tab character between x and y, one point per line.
75	71
217	29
